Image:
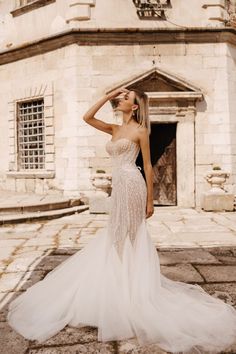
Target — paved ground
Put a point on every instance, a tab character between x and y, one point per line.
194	246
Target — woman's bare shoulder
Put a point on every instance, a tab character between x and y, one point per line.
115	127
142	131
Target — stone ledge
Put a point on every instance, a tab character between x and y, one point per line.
40	206
21	174
114	36
82	2
45	215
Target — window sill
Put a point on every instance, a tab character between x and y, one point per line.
31	174
31	6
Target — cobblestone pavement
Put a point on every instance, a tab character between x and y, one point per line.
194	246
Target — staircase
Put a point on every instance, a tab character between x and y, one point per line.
16	208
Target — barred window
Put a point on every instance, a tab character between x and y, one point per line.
31	135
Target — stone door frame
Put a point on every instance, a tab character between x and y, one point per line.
179	108
177	105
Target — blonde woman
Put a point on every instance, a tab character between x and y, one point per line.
115	283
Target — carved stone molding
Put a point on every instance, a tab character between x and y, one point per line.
167	93
115	36
79	10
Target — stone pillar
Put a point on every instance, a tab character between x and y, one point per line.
185	161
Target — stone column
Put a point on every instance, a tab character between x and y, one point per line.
185	161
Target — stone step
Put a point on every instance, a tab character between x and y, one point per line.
41	215
39	206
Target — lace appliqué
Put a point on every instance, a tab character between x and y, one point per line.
128	198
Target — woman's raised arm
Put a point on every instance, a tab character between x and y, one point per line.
97	123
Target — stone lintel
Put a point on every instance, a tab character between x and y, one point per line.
82	2
106	36
179	95
205	6
30	174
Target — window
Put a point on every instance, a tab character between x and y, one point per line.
152	9
23	6
31	135
31	132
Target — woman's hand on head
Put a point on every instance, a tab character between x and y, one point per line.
117	92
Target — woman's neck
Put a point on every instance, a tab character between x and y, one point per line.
127	118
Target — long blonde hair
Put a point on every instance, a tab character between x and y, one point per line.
141	114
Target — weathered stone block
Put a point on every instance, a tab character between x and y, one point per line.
197	256
49	139
20	185
49	121
218	273
182	272
99	205
11	184
50	166
216	138
78	12
48	100
48	111
214	62
39	186
49	157
217	202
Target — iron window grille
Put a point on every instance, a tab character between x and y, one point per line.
31	135
152	9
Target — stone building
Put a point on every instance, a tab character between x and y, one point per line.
57	57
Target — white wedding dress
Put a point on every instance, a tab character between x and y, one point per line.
114	283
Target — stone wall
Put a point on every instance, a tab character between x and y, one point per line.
76	75
61	15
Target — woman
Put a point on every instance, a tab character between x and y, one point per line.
115	283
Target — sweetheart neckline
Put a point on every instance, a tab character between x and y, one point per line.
134	142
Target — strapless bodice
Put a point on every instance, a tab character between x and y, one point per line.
123	152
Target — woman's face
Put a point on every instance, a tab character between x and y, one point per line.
126	102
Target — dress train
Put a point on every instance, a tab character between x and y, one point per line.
114	283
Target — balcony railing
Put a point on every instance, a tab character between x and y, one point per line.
152	9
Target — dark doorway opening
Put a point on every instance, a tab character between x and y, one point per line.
163	159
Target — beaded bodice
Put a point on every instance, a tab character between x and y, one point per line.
128	198
123	152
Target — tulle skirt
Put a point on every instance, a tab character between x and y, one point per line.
127	298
